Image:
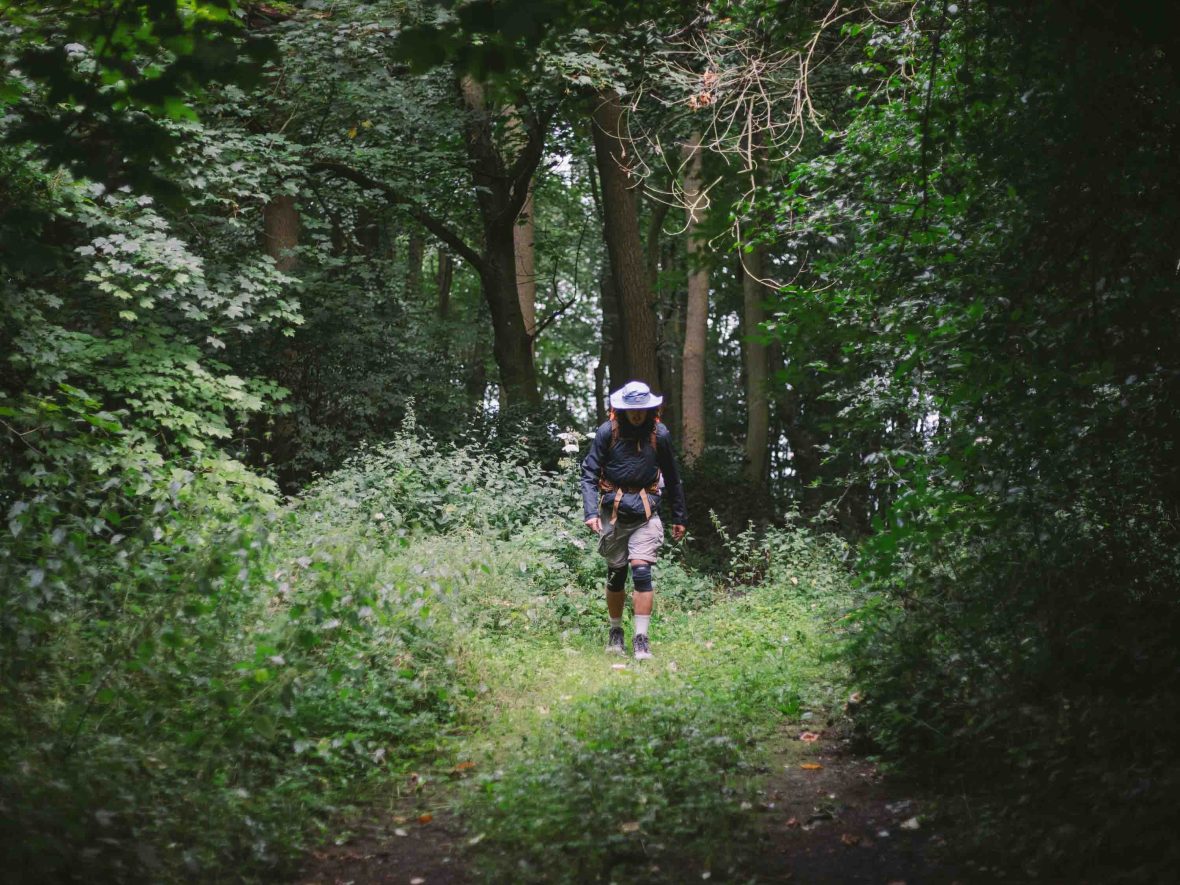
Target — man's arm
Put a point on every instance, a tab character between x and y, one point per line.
591	466
673	487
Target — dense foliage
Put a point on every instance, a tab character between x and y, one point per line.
991	243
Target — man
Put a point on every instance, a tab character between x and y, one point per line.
628	470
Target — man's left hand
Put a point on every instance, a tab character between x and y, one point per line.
677	532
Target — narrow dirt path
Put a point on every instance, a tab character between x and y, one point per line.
842	823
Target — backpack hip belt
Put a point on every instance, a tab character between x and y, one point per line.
607	488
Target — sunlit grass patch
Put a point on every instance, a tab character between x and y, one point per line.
596	765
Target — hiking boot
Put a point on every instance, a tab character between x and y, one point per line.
614	645
641	647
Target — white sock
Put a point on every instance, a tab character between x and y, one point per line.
616	622
641	622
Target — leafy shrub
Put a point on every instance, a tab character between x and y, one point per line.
190	673
410	484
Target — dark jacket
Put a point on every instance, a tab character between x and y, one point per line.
632	464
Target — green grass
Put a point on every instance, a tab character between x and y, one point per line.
589	772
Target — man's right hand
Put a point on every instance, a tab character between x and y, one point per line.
594	524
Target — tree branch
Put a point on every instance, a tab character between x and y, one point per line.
562	308
524	167
419	214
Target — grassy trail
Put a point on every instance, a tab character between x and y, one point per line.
578	766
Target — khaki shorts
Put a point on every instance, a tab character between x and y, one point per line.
624	541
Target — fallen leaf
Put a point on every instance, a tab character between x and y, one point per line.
809	737
425	818
912	824
463	766
631	826
811	766
793	823
850	839
475	840
352	132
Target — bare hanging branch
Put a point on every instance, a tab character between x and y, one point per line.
746	99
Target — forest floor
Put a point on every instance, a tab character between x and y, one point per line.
842	824
555	778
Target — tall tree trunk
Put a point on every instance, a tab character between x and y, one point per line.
280	223
280	237
667	312
611	371
523	236
672	336
512	346
623	243
613	352
757	365
501	193
696	314
446	276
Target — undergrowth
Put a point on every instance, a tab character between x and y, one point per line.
211	687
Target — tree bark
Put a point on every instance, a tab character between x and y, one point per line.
446	276
672	332
757	363
523	237
623	243
757	366
612	335
280	234
696	313
667	312
512	346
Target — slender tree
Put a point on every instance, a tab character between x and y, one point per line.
524	241
624	245
754	291
697	311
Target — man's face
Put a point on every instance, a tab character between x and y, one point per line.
635	416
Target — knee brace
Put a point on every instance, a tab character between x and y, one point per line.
641	576
616	578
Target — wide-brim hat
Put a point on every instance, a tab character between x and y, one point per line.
635	395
